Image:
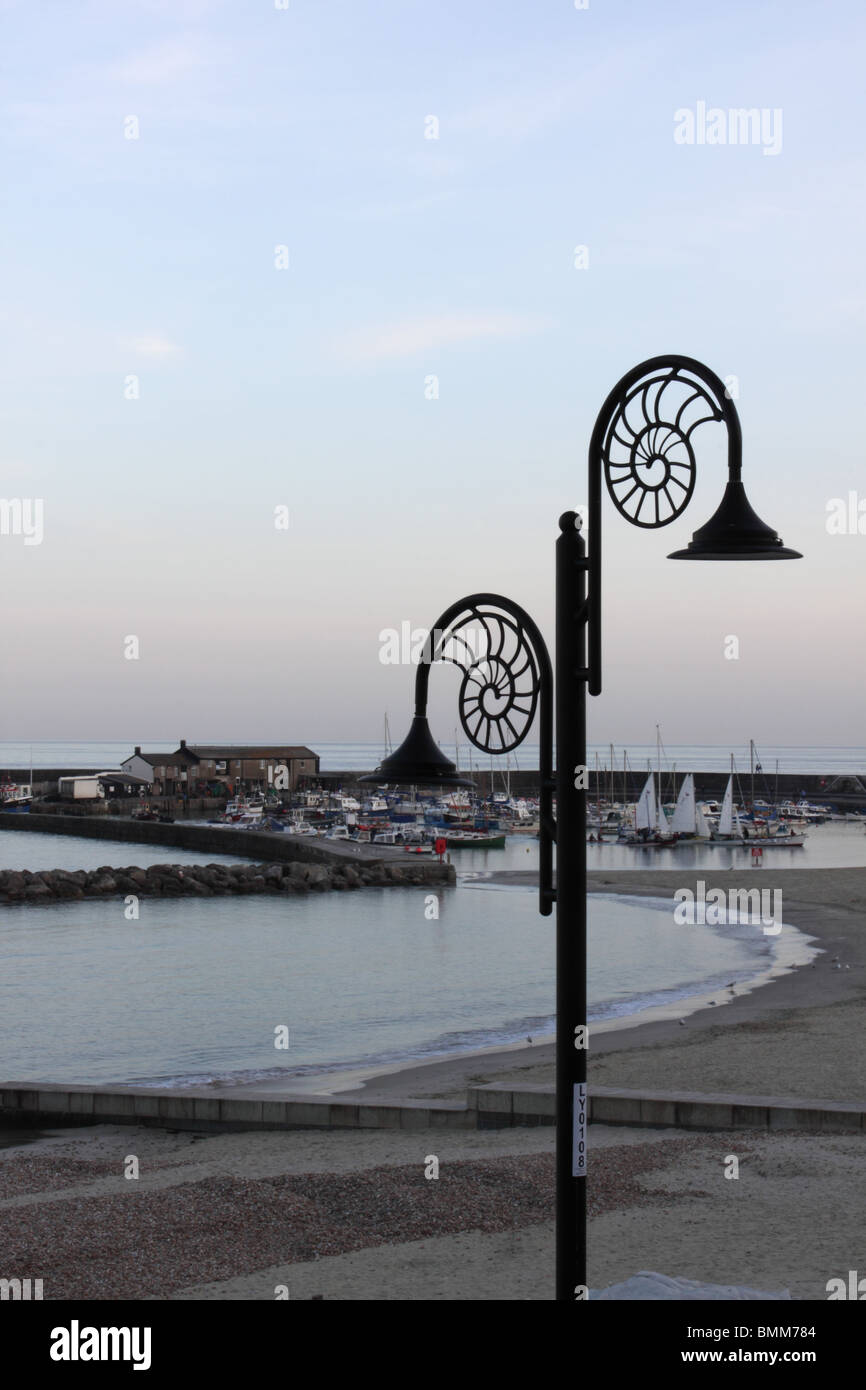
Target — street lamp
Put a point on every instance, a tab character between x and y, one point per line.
641	445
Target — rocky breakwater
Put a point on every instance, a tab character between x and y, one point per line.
213	880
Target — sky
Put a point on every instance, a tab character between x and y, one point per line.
322	258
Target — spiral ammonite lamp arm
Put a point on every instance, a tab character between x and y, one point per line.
507	679
642	445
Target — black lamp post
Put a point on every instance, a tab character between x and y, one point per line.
641	443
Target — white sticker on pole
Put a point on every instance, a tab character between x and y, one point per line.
578	1154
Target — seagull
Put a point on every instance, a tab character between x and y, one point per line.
681	1023
834	957
712	1003
529	1040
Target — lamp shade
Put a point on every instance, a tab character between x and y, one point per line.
735	532
418	762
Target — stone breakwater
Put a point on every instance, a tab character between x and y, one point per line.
212	880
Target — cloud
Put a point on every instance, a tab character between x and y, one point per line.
162	62
516	116
410	337
151	345
381	212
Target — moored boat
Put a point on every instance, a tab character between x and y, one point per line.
474	839
15	797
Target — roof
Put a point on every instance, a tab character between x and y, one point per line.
225	751
154	758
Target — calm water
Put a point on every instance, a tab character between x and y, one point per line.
34	851
194	990
833	845
362	756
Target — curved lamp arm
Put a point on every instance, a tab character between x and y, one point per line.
642	444
507	678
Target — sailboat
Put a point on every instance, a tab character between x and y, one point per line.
727	833
688	822
650	822
645	812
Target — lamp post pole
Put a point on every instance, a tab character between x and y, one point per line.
571	1029
641	447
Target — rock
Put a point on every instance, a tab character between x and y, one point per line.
196	887
37	892
64	890
125	884
203	881
103	883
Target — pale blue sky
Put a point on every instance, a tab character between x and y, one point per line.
409	257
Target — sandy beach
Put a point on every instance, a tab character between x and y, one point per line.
354	1215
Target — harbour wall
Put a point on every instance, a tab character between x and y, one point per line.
21	886
273	847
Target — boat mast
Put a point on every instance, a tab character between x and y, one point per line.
752	763
659	778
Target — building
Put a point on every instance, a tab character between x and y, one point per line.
93	786
197	769
164	773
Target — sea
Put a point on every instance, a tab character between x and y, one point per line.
190	991
819	760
